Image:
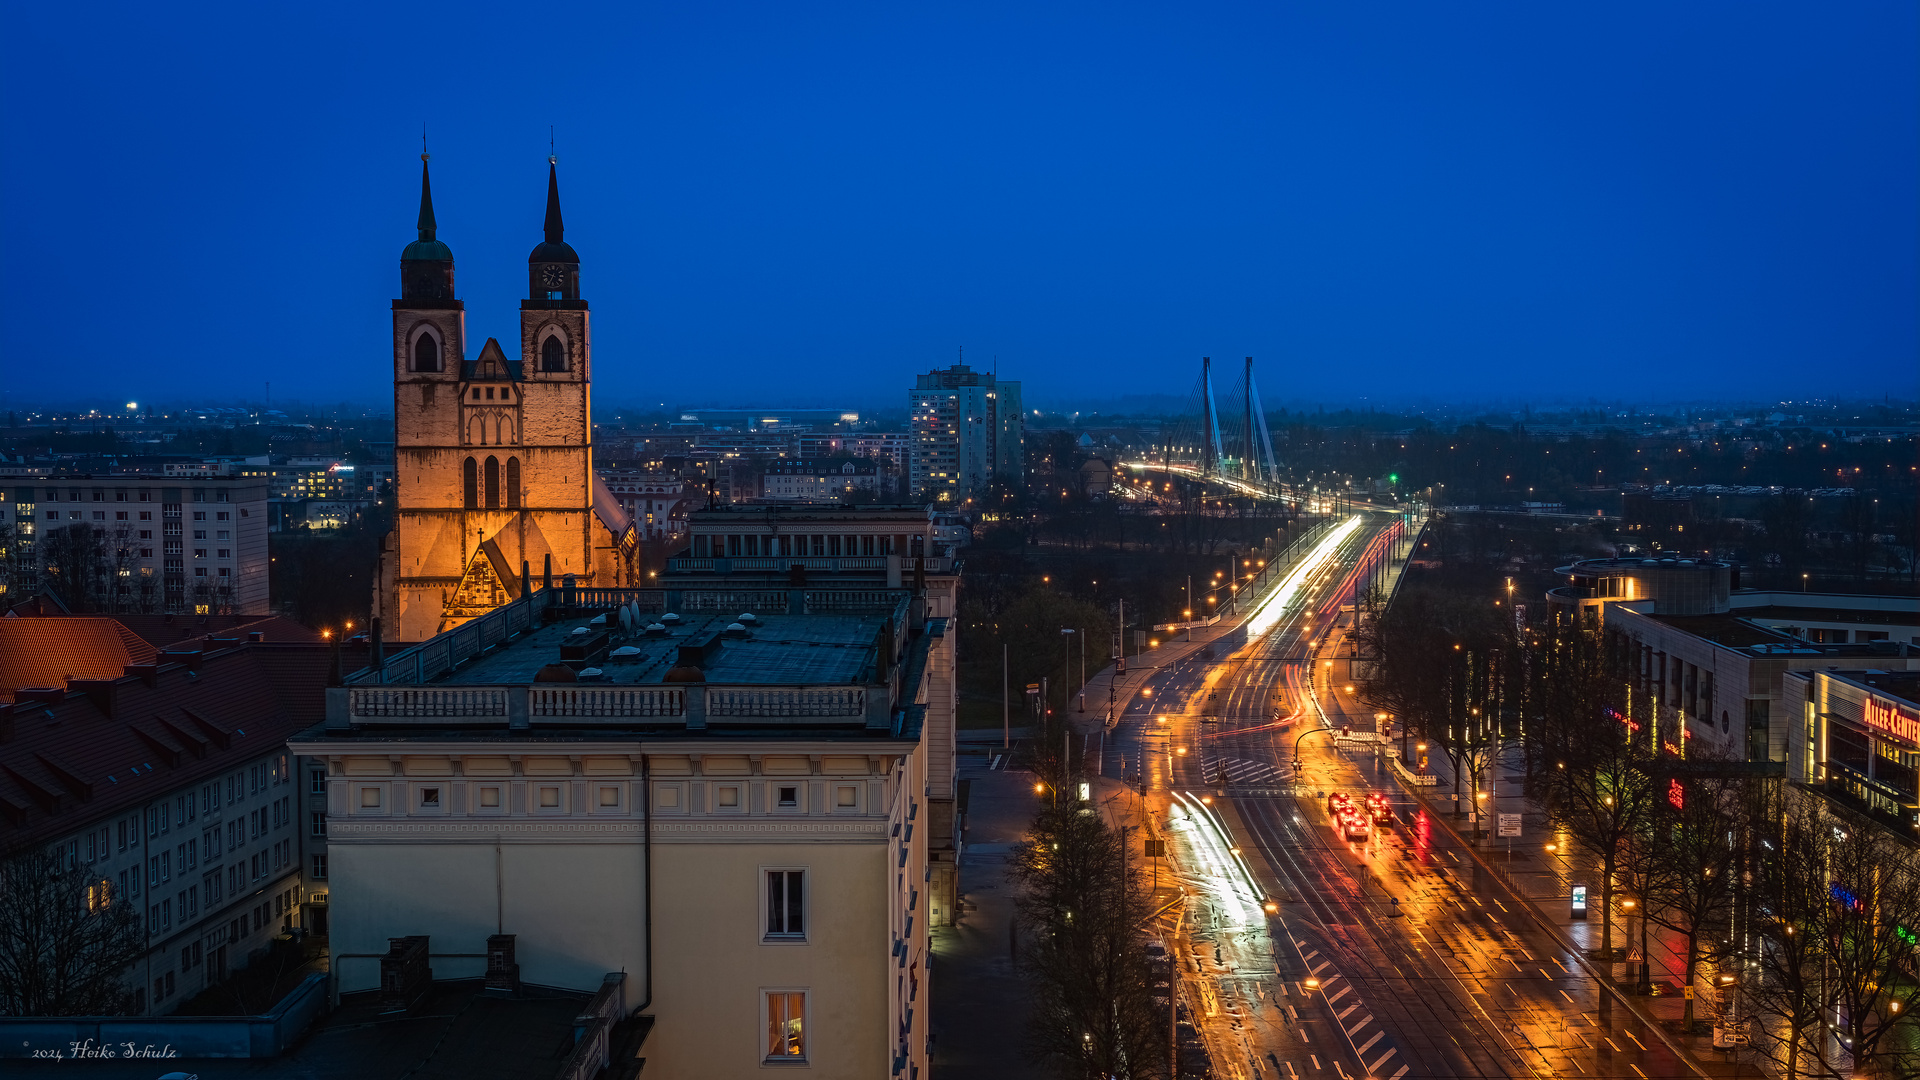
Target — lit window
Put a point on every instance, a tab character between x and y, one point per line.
786	1025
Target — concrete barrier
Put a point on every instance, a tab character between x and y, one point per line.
101	1038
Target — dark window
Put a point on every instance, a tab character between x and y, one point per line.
493	483
553	355
786	915
513	481
470	481
426	353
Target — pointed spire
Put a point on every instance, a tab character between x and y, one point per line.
555	230
426	225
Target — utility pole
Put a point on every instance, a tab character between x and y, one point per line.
1006	704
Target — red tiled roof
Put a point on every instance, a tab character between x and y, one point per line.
50	651
164	630
113	744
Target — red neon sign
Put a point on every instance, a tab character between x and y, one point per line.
1676	794
1892	720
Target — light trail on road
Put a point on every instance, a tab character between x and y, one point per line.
1274	607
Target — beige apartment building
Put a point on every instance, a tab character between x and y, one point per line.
720	787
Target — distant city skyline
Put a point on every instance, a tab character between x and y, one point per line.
1392	204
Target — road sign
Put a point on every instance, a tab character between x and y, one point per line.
1156	849
1633	956
1510	825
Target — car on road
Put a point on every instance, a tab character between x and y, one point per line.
1379	809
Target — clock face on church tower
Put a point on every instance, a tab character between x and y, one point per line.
553	277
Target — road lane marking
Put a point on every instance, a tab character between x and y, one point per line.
1636	1042
1316	1060
1368	1045
1359	1025
1401	1073
1611	1043
1636	1068
1543	974
1569	998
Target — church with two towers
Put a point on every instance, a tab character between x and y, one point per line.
493	457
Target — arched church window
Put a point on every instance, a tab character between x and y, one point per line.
553	355
513	482
426	353
493	483
469	482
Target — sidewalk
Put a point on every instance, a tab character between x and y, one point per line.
979	1001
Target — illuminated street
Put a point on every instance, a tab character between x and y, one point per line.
1388	957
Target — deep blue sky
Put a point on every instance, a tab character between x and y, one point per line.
808	203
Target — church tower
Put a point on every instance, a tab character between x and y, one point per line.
493	458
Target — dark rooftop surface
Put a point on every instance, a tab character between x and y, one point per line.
1733	631
1783	613
1900	684
457	1033
777	649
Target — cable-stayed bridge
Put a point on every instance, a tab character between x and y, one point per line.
1223	441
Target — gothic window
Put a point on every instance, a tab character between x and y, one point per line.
493	483
470	484
513	482
553	355
426	353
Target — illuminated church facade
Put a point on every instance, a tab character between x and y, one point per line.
493	457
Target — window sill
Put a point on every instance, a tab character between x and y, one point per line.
783	939
784	1063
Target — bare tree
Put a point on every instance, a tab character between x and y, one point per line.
65	940
1082	905
1694	844
1840	907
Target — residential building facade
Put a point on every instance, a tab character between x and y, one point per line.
172	783
967	428
661	782
186	544
839	481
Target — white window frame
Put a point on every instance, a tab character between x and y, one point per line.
479	808
600	804
379	807
534	804
739	799
768	937
851	808
676	808
799	786
801	1060
420	807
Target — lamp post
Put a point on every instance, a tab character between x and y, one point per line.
1066	657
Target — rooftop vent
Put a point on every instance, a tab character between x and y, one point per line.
746	618
670	619
734	629
624	651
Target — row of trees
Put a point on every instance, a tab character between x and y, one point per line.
1808	911
1081	908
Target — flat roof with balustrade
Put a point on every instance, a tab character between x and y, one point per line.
776	648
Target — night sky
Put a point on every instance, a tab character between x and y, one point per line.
807	203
